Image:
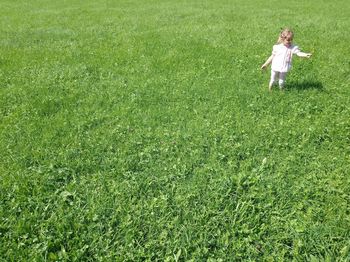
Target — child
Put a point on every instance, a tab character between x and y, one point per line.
281	58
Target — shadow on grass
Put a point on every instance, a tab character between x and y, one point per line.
305	85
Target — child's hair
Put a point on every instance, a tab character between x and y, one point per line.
285	33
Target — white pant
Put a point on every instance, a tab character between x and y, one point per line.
280	76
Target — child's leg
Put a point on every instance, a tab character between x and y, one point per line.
281	81
274	77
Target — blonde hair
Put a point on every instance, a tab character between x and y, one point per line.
285	33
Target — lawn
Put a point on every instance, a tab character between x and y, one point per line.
144	130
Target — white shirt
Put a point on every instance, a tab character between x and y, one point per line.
282	60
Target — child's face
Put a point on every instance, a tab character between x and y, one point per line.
287	41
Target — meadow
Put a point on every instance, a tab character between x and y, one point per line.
144	130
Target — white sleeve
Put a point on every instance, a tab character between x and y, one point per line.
296	49
274	50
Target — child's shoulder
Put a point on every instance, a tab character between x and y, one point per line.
277	46
295	49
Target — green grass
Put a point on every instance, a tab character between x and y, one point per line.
143	130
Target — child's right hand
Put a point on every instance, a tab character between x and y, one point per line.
263	67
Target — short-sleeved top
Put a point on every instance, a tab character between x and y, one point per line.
282	60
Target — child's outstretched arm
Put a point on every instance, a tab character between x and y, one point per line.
268	61
302	54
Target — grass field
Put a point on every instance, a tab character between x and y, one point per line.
144	130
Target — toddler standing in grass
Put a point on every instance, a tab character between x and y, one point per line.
281	58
